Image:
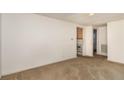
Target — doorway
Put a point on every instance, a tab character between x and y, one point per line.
79	33
94	41
100	40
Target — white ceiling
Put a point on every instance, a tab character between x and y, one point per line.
85	19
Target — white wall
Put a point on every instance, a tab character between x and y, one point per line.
116	41
30	40
88	41
101	39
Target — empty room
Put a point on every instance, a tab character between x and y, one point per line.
61	46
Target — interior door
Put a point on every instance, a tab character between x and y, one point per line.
88	41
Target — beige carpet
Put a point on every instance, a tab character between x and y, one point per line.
81	68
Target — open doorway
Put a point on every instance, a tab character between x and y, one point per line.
100	40
94	41
79	33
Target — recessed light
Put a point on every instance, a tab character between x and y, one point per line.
91	14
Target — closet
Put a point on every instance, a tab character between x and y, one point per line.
79	41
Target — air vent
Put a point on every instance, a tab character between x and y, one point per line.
104	48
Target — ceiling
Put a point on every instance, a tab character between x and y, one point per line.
85	19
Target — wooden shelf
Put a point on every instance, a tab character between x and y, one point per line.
79	33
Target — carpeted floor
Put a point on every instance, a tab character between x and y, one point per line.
81	68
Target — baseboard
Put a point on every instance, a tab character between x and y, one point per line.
21	70
119	62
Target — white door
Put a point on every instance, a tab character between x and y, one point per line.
88	41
